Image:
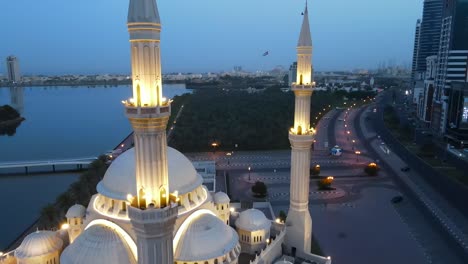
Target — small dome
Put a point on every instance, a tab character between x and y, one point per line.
98	244
206	237
120	179
76	211
221	198
39	243
253	220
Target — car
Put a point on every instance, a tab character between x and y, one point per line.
397	199
405	169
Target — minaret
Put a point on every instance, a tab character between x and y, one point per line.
301	136
151	213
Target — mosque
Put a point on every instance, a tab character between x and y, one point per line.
151	206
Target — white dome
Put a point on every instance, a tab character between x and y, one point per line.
98	244
76	211
119	180
205	238
221	198
39	243
253	220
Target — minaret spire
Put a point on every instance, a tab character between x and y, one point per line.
301	136
152	214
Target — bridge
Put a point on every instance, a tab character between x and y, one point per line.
79	162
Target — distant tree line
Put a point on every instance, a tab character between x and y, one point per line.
257	121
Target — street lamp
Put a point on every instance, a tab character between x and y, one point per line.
348	132
214	145
249	173
354	141
357	152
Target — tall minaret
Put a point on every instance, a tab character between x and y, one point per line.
151	213
301	136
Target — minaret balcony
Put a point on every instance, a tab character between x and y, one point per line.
299	87
147	111
301	141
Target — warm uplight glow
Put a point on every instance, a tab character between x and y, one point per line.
232	209
278	220
65	226
317	166
126	237
357	152
214	144
372	164
330	178
268	241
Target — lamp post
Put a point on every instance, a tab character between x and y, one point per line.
348	132
214	145
354	141
357	152
249	172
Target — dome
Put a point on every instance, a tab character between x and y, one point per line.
252	220
39	243
76	211
221	198
98	244
119	180
206	237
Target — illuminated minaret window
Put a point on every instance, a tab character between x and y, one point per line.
301	136
154	211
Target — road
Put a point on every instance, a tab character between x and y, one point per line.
356	221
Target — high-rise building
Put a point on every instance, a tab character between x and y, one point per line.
14	75
301	136
451	68
417	35
429	33
292	73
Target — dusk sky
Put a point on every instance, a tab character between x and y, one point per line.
90	36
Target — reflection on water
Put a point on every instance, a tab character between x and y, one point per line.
17	99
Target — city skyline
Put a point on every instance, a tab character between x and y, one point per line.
80	38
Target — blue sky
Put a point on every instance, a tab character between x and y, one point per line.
90	36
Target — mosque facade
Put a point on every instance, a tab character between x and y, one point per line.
152	207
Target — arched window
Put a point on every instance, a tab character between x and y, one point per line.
216	261
222	207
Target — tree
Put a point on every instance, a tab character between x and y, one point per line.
259	189
372	169
282	216
325	184
315	171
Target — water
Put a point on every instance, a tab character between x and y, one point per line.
61	122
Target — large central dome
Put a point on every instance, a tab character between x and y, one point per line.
120	179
